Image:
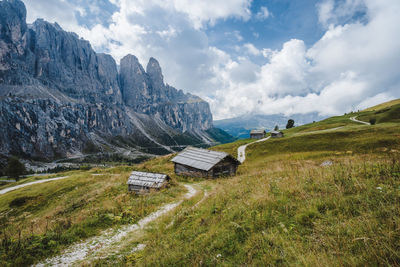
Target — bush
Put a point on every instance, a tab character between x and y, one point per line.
372	121
15	168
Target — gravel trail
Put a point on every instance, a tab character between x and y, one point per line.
8	189
242	149
363	122
106	239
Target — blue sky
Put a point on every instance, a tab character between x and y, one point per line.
287	19
244	56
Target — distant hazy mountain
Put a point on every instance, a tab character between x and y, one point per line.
59	98
240	127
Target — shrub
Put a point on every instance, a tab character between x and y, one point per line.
372	121
15	168
290	124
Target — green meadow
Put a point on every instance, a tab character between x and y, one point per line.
327	194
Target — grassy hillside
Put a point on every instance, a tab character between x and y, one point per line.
385	114
282	207
39	220
384	105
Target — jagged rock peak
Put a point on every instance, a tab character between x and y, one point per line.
134	82
12	20
57	93
153	69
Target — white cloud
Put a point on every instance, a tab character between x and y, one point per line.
331	12
355	64
211	10
351	67
251	49
59	11
263	13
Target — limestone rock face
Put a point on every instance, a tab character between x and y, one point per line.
146	92
57	94
134	81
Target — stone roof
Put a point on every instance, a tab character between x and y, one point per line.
202	159
257	132
147	179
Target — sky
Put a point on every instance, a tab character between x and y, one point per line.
251	56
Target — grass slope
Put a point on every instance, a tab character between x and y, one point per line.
387	114
40	220
284	208
384	105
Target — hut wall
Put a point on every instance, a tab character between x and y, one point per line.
276	135
257	136
184	170
225	167
138	189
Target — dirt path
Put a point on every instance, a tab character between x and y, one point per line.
242	149
355	120
92	246
31	183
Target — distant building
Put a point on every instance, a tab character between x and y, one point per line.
257	134
276	134
143	182
197	162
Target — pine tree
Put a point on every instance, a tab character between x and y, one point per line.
290	124
15	168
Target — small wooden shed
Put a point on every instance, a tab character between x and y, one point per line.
276	134
257	134
143	182
198	162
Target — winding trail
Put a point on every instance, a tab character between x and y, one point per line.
108	238
6	190
355	120
242	149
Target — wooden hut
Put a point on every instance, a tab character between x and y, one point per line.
197	162
276	134
143	182
257	134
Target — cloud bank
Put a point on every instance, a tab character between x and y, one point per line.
353	65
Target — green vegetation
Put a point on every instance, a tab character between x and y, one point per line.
386	114
327	194
220	135
384	105
15	168
372	121
290	124
39	221
288	213
284	208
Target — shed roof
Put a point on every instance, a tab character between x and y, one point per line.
257	132
199	158
276	132
152	180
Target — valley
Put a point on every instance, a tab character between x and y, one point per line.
278	143
327	193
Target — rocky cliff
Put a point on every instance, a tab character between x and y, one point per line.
57	95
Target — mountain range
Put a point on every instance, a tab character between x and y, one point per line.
240	127
59	98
